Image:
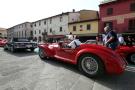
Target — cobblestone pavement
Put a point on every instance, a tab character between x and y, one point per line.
26	71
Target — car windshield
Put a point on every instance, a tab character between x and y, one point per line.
21	40
90	42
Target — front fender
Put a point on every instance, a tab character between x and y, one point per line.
112	61
103	55
49	51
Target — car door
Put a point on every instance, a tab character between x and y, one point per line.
66	54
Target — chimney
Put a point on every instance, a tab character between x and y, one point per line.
73	10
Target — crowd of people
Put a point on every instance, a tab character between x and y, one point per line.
110	39
73	41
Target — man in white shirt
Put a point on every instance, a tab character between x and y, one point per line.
121	40
75	43
104	39
70	36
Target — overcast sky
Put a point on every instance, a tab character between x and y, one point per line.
13	12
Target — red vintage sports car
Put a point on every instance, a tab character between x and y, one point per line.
3	42
92	60
128	52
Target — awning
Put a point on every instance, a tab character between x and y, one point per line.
128	33
90	34
55	36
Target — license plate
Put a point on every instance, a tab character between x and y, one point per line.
29	45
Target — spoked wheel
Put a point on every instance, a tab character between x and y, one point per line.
131	58
90	65
42	54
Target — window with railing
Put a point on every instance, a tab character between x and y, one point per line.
50	30
109	11
25	33
132	7
39	31
131	25
60	29
81	27
44	22
60	18
39	23
22	33
74	28
88	26
35	31
35	24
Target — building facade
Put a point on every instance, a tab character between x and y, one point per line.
87	26
54	27
87	29
119	15
57	27
10	33
23	30
3	33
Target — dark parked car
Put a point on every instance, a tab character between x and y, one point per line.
20	43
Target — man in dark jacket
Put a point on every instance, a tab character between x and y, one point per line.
112	40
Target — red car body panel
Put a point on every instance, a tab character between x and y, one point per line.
3	42
113	62
125	50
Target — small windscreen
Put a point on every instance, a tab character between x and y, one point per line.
90	42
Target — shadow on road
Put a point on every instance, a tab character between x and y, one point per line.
21	53
65	65
126	81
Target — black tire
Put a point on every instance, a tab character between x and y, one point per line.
32	49
131	58
5	47
91	65
42	54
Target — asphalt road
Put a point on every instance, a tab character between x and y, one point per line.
26	71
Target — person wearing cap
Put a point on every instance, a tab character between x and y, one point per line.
112	40
71	36
75	43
